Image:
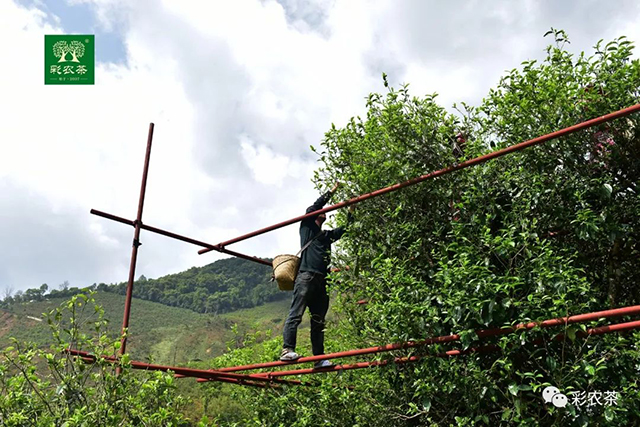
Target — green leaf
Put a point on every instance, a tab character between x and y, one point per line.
467	337
426	404
609	414
513	389
506	414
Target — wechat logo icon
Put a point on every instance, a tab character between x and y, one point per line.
551	394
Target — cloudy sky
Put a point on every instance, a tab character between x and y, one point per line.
238	90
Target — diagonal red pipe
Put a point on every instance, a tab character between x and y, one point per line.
472	162
90	360
178	237
238	382
624	311
188	372
273	377
488	348
375	363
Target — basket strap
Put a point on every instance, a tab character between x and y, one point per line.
300	251
280	263
309	243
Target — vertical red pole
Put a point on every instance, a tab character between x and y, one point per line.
136	243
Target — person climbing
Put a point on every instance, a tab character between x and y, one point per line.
310	287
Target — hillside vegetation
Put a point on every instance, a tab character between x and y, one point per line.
220	287
223	286
158	333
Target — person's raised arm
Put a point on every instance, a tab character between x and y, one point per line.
323	200
337	233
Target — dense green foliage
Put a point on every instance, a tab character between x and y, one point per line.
221	287
50	388
549	231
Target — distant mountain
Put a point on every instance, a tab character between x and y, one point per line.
223	286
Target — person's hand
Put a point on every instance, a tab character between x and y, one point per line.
335	187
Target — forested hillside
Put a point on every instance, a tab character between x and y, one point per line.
220	287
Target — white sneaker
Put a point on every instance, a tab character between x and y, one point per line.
288	355
322	364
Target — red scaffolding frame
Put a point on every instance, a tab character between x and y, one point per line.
271	378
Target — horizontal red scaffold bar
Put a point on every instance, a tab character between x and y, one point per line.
179	237
483	333
488	348
267	379
472	162
221	379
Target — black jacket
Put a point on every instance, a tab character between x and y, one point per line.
317	256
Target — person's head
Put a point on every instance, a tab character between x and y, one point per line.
321	219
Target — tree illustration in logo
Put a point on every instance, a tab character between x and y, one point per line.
76	49
62	48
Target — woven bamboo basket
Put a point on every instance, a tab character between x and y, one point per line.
285	268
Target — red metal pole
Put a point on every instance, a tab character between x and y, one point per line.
619	327
624	311
600	330
218	375
466	164
188	372
238	382
201	373
376	363
90	360
136	242
179	237
233	381
489	348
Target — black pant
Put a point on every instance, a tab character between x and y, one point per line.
310	290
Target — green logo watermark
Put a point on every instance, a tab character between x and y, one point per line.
69	59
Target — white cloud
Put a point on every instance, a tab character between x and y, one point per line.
266	166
